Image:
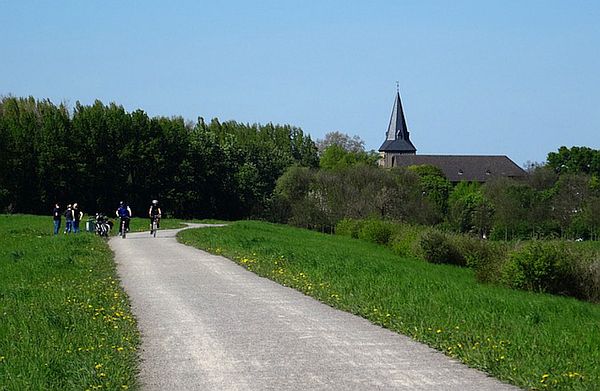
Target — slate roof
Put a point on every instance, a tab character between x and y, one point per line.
397	137
475	168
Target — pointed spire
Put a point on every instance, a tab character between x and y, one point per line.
397	136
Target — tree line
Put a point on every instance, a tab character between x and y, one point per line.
98	155
560	198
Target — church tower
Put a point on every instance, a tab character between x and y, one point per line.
397	137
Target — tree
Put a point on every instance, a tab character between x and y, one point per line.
470	210
350	144
336	157
571	192
575	160
434	186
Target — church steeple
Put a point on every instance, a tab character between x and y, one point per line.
397	138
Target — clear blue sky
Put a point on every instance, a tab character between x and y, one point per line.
519	78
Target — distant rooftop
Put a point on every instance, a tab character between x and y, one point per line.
470	168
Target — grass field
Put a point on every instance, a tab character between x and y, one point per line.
531	340
65	322
140	224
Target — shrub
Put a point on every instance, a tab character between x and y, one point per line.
592	285
348	227
585	272
405	240
484	257
376	231
541	267
437	247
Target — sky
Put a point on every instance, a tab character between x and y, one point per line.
516	78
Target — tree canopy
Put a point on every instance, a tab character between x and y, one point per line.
100	154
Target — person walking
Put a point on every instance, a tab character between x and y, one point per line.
69	219
56	217
77	216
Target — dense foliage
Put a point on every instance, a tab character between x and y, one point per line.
100	154
551	266
551	202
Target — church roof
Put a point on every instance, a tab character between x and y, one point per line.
470	168
397	137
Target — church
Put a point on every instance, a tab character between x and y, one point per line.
398	151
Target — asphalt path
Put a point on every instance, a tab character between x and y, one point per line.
209	324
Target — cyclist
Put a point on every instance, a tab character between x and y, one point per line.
124	213
154	213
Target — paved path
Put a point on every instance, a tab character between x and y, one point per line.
208	324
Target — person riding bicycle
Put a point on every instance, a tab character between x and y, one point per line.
154	213
124	213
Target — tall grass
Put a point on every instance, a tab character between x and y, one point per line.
65	322
535	341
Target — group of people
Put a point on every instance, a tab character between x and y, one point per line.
73	216
124	213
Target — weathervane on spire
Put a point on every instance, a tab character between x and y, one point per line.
397	86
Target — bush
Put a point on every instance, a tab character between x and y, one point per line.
585	272
376	231
348	227
541	267
591	281
405	240
437	247
484	257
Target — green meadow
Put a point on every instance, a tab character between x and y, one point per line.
140	224
65	322
535	341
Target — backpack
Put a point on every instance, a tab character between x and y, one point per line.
123	211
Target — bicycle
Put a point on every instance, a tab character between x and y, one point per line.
154	226
103	225
123	227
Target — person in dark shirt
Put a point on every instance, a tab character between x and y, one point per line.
124	213
56	217
69	219
154	213
77	216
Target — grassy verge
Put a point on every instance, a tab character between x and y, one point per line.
140	224
535	341
65	323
